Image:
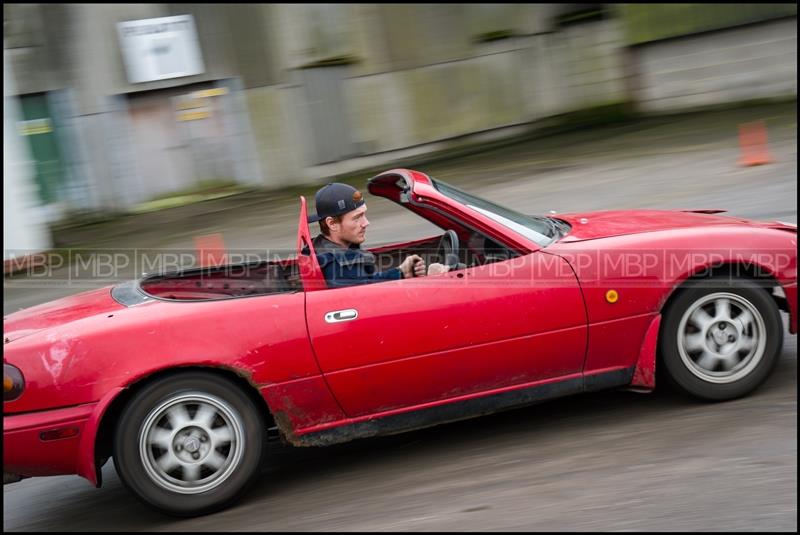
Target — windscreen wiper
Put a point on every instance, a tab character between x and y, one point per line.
551	224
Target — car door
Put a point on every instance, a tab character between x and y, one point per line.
397	344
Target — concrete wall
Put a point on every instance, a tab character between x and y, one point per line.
277	133
436	103
581	66
505	83
254	43
416	78
98	69
757	61
589	62
35	38
409	107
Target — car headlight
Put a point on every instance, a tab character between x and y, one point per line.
13	383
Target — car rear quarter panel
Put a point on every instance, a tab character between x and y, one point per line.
263	339
60	311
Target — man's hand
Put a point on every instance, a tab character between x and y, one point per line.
436	269
412	266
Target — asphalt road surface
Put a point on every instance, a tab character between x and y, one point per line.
605	461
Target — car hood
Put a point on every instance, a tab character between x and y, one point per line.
58	312
604	224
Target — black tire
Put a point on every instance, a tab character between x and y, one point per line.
216	434
711	358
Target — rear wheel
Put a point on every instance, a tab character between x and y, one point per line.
721	340
189	444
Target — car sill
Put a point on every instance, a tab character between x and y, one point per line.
462	409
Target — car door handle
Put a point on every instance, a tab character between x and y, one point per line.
341	315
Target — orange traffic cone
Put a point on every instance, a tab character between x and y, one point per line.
753	144
210	250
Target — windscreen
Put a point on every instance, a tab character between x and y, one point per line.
539	230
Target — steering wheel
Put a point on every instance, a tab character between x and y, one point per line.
448	249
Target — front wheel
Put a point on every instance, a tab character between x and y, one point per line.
189	444
721	340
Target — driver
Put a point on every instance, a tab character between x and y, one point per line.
341	213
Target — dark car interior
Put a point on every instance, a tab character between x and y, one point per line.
476	250
257	278
276	277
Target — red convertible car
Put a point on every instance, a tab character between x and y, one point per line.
182	377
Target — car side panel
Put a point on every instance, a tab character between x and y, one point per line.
461	371
301	403
616	343
433	338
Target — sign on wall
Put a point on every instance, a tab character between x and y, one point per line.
35	126
162	48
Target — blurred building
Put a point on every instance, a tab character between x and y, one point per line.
24	223
125	102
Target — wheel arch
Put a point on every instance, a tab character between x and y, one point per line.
103	439
730	271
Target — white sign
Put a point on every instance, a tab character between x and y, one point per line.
162	48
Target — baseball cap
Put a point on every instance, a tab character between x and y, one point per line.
335	199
